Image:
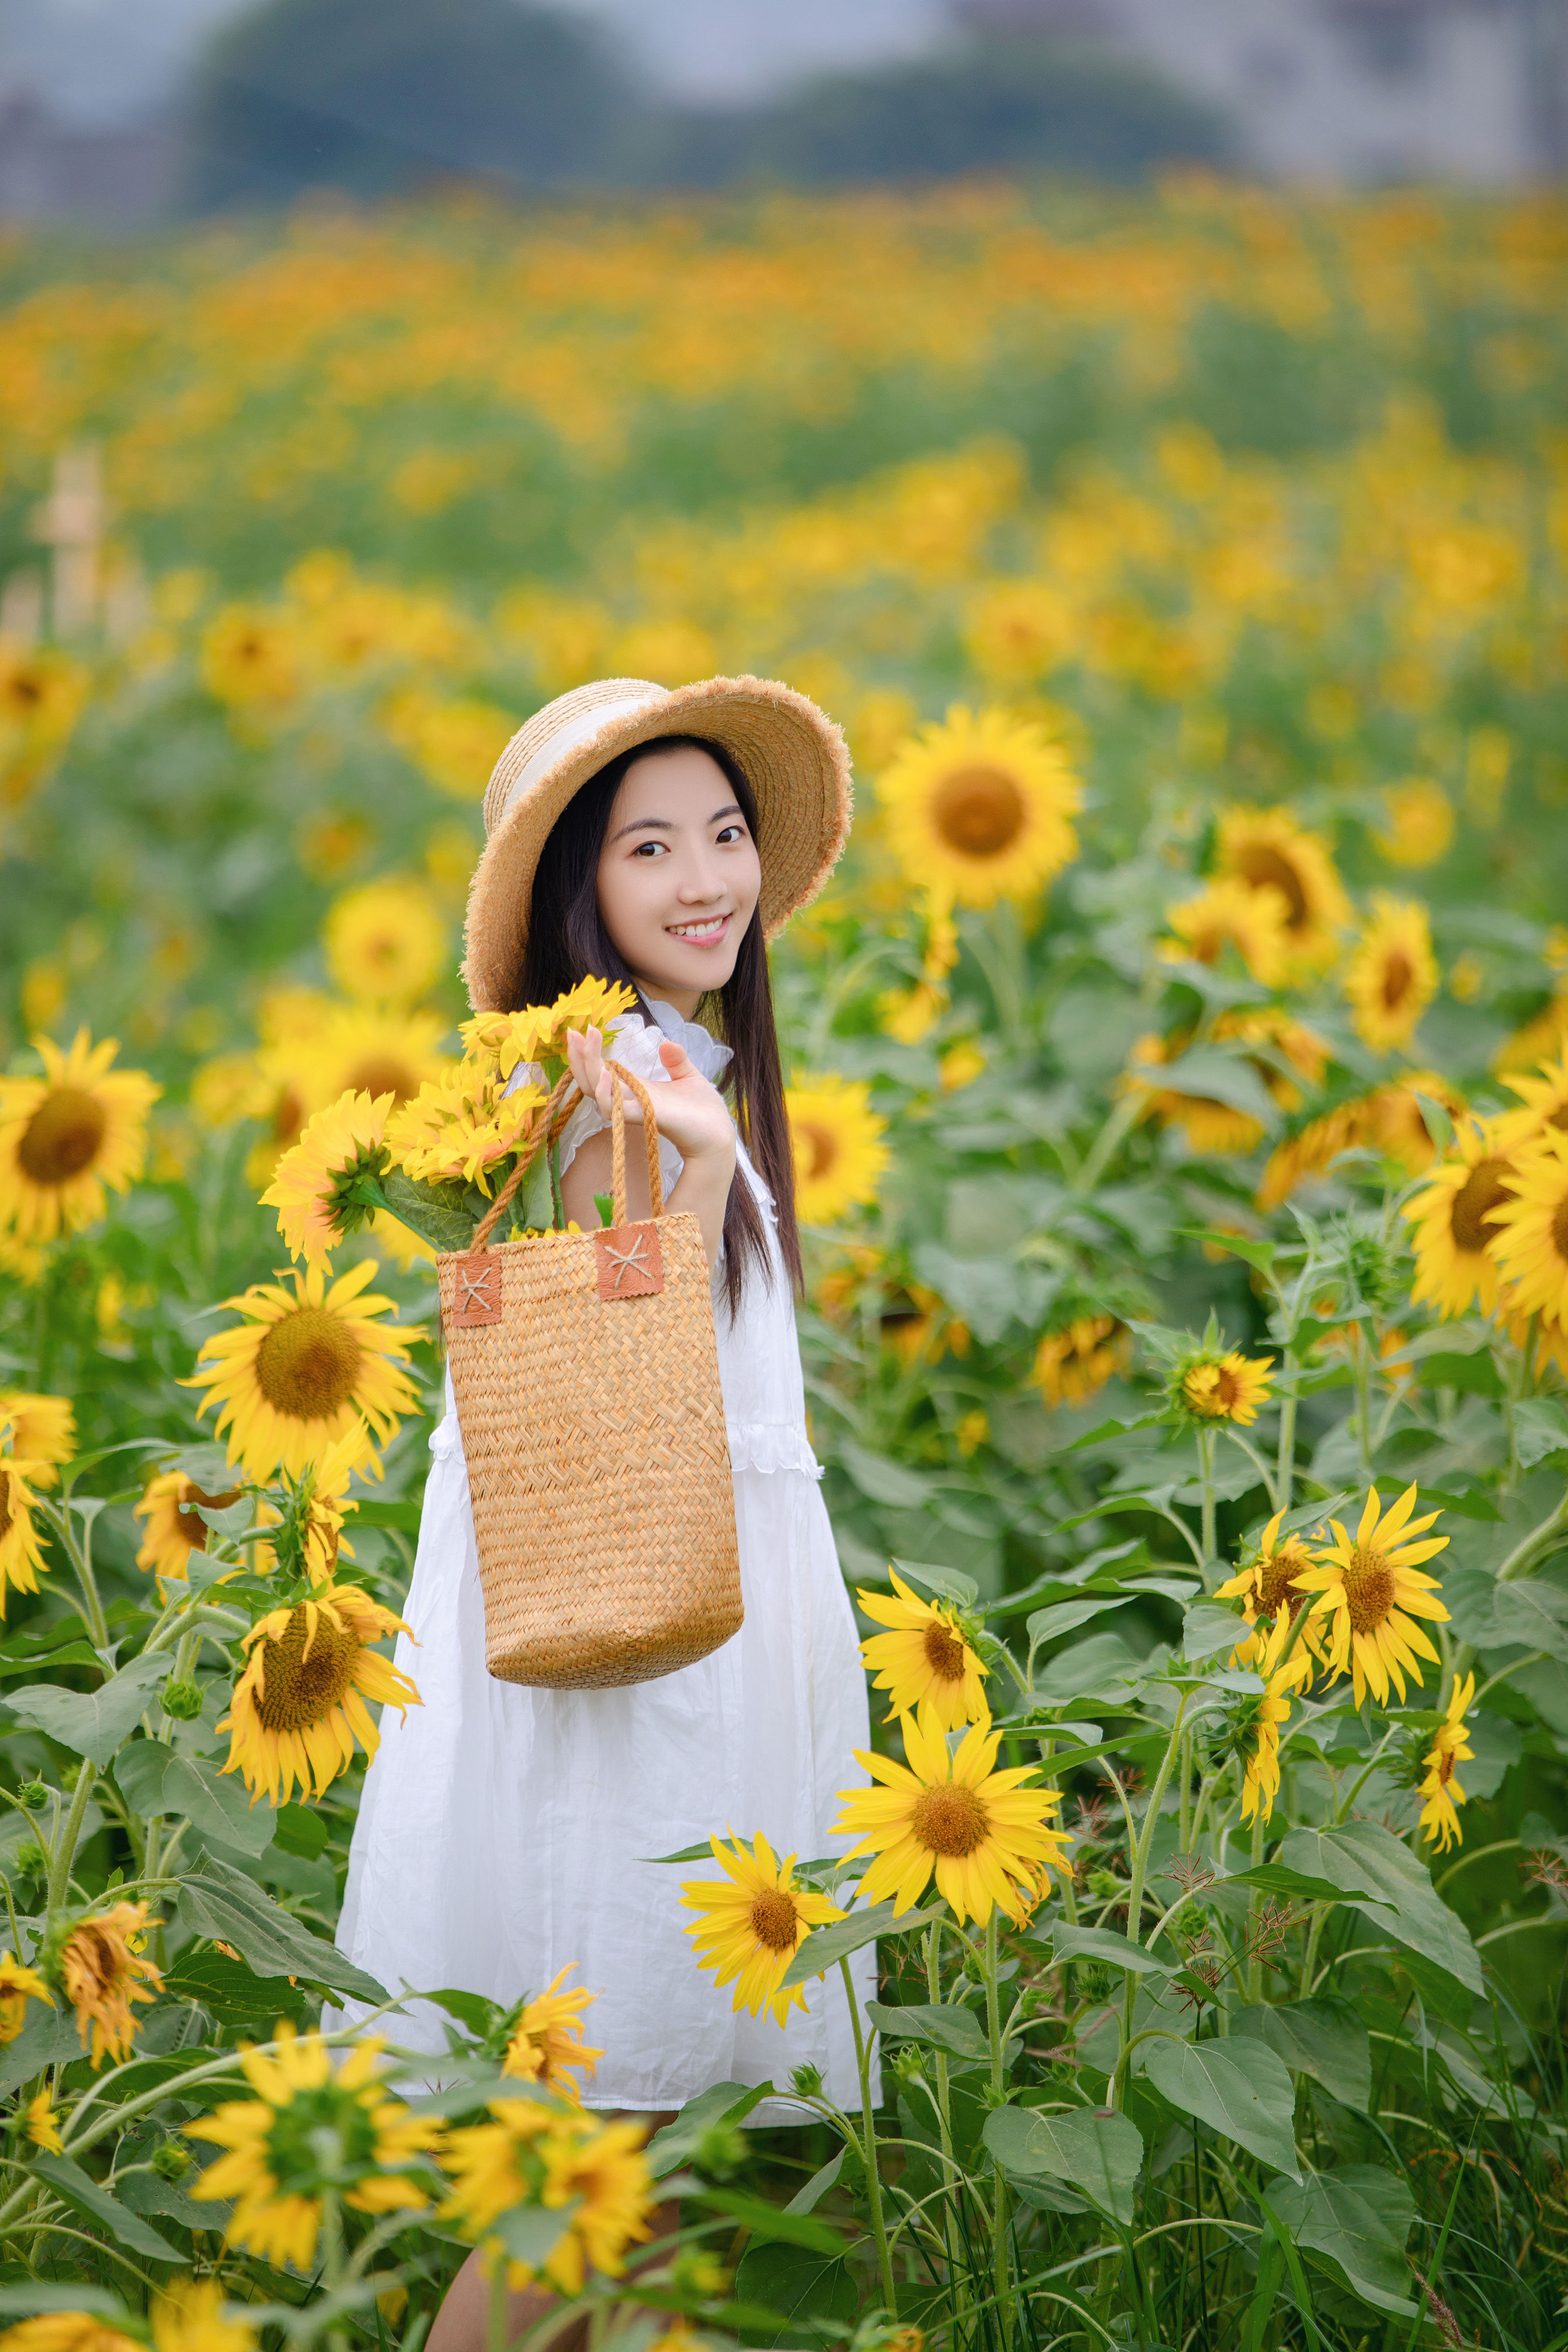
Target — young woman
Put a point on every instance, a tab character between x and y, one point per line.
506	1832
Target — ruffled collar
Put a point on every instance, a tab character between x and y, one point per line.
705	1053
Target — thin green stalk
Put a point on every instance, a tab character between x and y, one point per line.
1184	1831
1108	1142
868	2145
1284	1460
1364	1399
943	2118
1205	1473
1254	1908
1001	2266
66	1839
1140	1859
59	1519
495	2330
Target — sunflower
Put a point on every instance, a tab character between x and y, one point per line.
752	1923
1229	914
1371	1590
1544	1100
310	1536
39	1430
303	1369
1223	1387
463	1125
1545	1034
1214	1127
22	1560
18	1986
1449	1750
1420	823
190	2318
43	2123
324	1188
1392	975
103	1970
42	694
1018	628
1392	1121
361	1049
1260	1750
171	1506
251	658
455	744
299	1704
533	2154
1272	1598
386	942
537	1033
68	2331
983	805
840	1155
1267	849
1073	1364
982	1831
926	1657
1529	1232
546	2044
319	2123
66	1135
1454	1215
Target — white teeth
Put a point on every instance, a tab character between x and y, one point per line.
699	930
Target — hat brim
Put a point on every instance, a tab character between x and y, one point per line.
793	756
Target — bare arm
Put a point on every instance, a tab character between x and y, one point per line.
690	1112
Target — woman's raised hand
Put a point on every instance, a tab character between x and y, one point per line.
690	1111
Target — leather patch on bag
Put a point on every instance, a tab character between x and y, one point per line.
475	1294
628	1261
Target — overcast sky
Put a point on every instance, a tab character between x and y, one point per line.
112	57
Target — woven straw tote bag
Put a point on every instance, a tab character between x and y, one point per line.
586	1375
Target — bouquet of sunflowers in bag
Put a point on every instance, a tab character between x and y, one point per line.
436	1161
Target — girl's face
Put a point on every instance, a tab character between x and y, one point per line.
679	875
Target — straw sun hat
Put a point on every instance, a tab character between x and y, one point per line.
791	754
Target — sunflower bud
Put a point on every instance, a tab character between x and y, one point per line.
182	1701
33	1795
29	1859
171	2161
720	2152
806	2081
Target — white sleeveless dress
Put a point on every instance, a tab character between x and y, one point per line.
505	1833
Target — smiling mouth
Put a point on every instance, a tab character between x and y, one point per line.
701	934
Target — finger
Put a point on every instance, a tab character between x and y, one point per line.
675	1060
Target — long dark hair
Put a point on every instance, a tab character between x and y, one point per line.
567	942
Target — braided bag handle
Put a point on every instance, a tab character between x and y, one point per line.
546	1129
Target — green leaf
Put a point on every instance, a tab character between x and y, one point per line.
439	1214
882	1480
1325	2039
220	1903
808	2200
50	2038
1098	2150
1103	1944
1063	1615
1274	1878
826	1947
139	1770
1533	1612
947	1583
42	2294
1356	2220
765	2220
957	2032
302	1829
1539	1429
216	1805
1240	2086
143	2192
1258	1254
531	2233
800	2288
1210	1627
1476	1375
370	1512
127	2229
1357	1855
1220	1077
230	1992
722	2103
94	1724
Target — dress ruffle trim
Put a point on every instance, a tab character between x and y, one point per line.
770	1445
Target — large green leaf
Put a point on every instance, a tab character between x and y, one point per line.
765	2220
722	2103
219	1902
1533	1612
1061	1617
958	2032
1104	1944
127	2229
1209	1627
50	2038
1240	2086
1098	2150
139	1770
1539	1429
1361	1855
1223	1078
93	1723
1356	2220
826	1947
883	1480
230	1992
441	1215
800	2287
1326	2039
217	1804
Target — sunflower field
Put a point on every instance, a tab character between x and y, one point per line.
1178	1073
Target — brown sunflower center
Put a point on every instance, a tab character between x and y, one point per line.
63	1135
945	1651
1560	1228
1227	1389
1280	1570
301	1690
1266	869
97	1962
774	1920
1483	1189
4	1508
1369	1589
1398	973
1558	1118
979	811
820	1147
307	1364
948	1819
187	1515
383	1073
25	691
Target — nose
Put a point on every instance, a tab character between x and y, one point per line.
701	878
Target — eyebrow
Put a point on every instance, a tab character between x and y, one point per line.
662	824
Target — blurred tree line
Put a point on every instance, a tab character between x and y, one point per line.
379	96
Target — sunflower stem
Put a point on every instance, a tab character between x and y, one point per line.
868	2144
1108	1142
943	2111
1205	1473
1184	1822
1285	1461
1001	2268
66	1839
495	2330
58	1520
1364	1399
1140	1851
1254	1908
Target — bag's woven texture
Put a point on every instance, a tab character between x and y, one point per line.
598	1463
